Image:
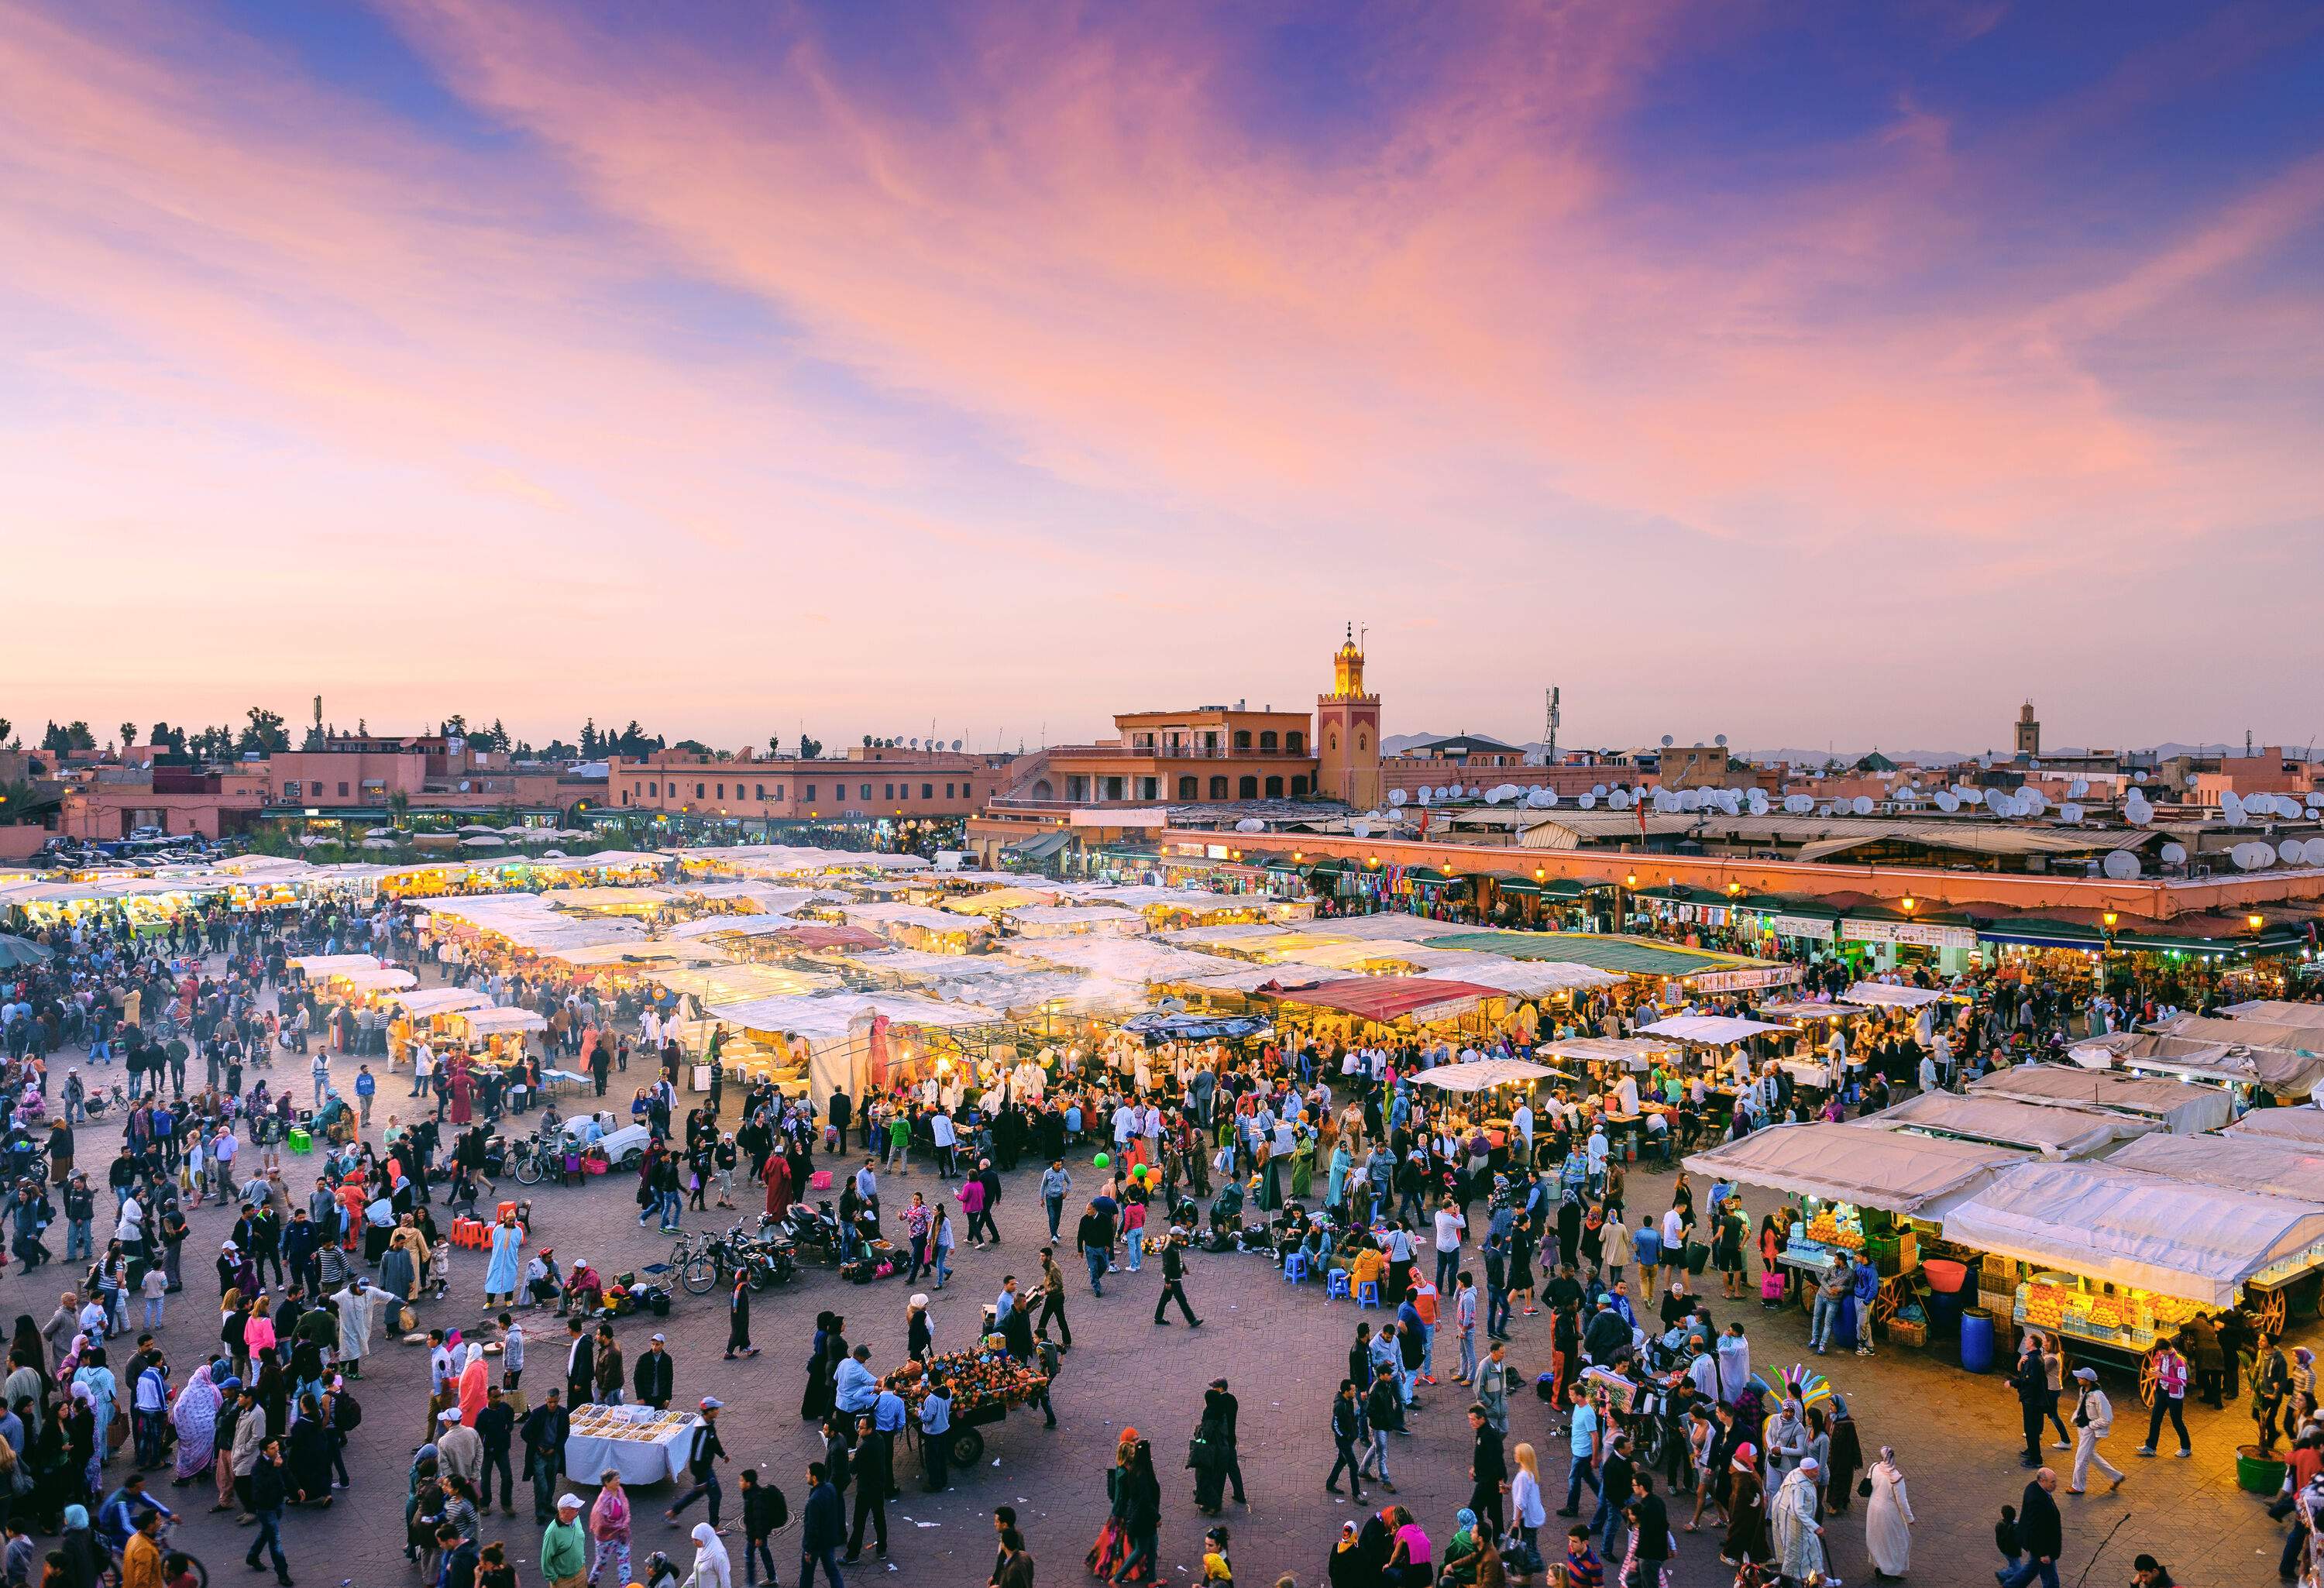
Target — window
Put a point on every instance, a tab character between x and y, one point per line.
1189	789
1113	788
1247	788
697	790
1149	788
867	791
1242	738
1360	738
1077	786
654	790
779	790
1218	788
1294	742
1267	739
759	790
291	790
887	791
966	792
810	792
343	790
1274	788
625	797
721	791
928	790
948	790
1299	787
1334	741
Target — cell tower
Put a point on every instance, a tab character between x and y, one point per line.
1549	736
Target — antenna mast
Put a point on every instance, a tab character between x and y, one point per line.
1549	739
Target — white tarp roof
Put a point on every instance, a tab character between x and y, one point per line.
435	1001
1718	1029
501	1018
2251	1030
376	979
1891	1170
1888	995
1520	978
1391	924
2278	1011
2197	1242
332	964
2187	1110
2278	1168
825	1017
641	951
2288	1124
1248	978
1479	1074
1133	959
877	916
2052	1131
1638	1052
1049	921
1231	934
735	983
2281	1071
1808	1010
915	964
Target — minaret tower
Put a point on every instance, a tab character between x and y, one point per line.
1347	732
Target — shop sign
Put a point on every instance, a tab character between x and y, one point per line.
1920	934
1801	926
1774	976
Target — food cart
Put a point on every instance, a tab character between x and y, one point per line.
984	1382
1877	1192
2118	1257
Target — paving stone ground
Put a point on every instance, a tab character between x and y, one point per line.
1282	1348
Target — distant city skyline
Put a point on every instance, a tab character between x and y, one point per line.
1843	377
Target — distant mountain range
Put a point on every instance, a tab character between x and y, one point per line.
1396	743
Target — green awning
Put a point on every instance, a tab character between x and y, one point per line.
1623	955
2275	940
1427	875
1806	909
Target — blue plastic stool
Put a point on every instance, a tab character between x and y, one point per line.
1368	1293
1294	1267
1335	1284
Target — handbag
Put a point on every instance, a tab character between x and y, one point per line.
1864	1487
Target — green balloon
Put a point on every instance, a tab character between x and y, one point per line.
1102	1159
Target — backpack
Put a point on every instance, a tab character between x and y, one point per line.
350	1413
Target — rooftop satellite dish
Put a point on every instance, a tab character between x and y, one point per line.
2070	813
2174	855
2138	777
1667	741
1396	797
1948	802
1251	824
1719	740
2077	788
1492	795
1861	805
1424	795
2311	853
1618	801
2121	865
1549	798
2034	765
1587	801
2291	851
1361	829
955	743
915	744
1599	790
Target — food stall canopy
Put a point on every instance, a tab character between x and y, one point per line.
2283	1167
877	916
1520	978
2050	1130
1718	1030
317	965
2200	1244
1254	978
1638	1052
1477	1074
1388	923
1198	1028
1235	935
735	984
485	1022
731	926
1890	1170
2282	1124
1123	959
826	1016
377	979
2185	1110
1796	1012
1068	920
809	937
995	900
1386	999
1886	995
919	964
2279	1012
2281	1071
2251	1031
435	1001
637	951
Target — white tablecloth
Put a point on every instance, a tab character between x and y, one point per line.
586	1456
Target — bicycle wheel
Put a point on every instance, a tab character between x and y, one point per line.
698	1276
528	1170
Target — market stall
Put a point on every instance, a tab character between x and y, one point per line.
2281	1125
2178	1107
2119	1258
984	1384
644	1445
2050	1130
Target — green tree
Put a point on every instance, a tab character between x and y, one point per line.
590	741
265	734
809	748
774	743
453	727
128	734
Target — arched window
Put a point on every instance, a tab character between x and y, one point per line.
1334	741
1242	738
1299	787
1218	788
1247	788
1267	739
1362	741
1274	788
1294	742
1189	789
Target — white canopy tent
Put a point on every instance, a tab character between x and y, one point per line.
2283	1167
1716	1031
2184	1109
2051	1131
1479	1074
436	1000
1520	978
1076	920
2200	1243
836	1026
1891	1170
317	965
499	1019
1887	995
1638	1052
377	979
2281	1125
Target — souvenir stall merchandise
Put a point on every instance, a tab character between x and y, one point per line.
644	1445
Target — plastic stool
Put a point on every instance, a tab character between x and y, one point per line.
1294	1267
1335	1284
301	1141
505	1210
1368	1293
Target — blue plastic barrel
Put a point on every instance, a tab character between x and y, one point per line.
1944	1309
1976	1339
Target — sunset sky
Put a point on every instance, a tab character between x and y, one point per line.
1797	372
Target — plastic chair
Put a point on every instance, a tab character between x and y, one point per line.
1368	1294
1335	1284
1294	1267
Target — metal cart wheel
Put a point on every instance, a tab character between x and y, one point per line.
1890	1297
967	1449
2147	1378
2268	1309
